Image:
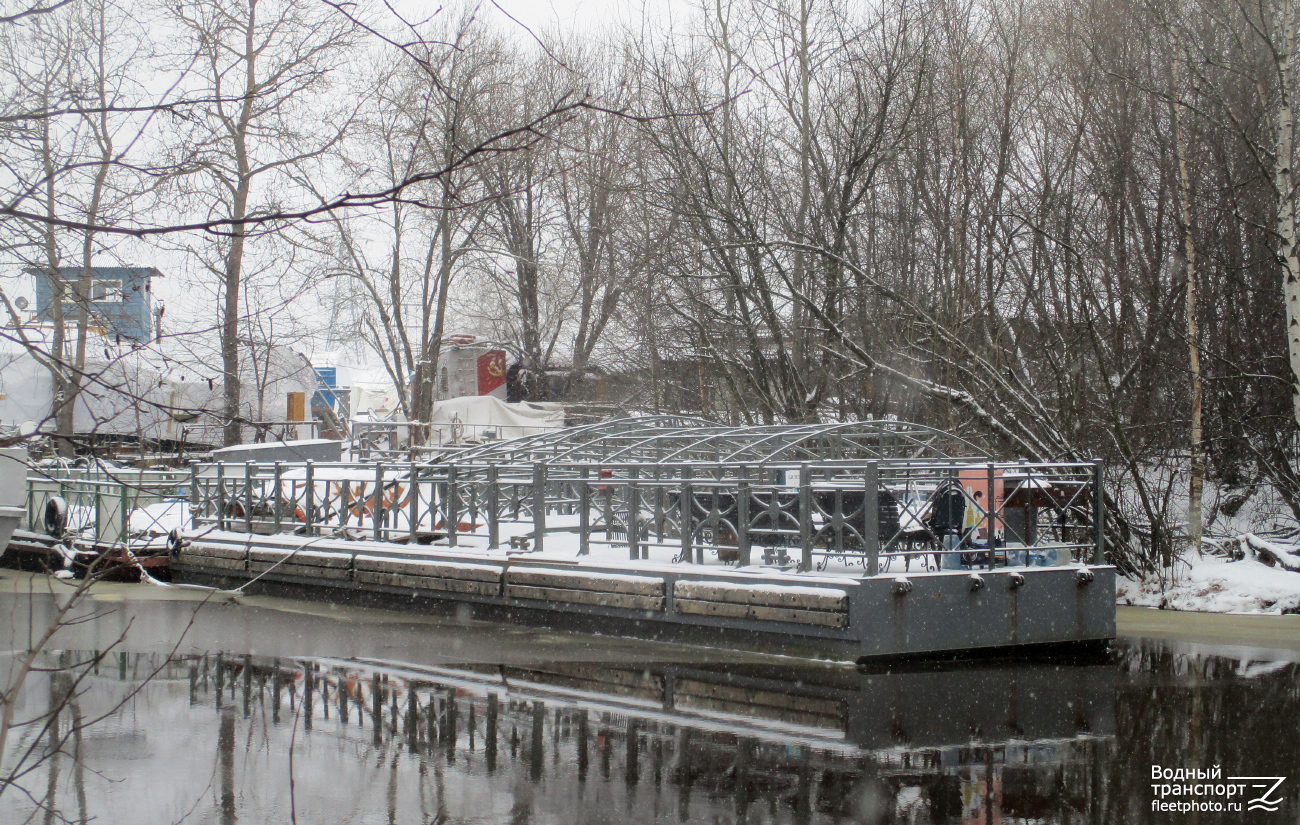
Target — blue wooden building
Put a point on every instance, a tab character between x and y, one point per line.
120	298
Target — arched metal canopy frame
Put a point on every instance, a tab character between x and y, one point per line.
681	439
546	446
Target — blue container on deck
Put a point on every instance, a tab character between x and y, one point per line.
1049	556
950	561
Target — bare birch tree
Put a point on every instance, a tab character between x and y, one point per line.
266	68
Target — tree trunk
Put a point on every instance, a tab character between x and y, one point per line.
1284	181
1196	476
92	217
63	409
235	256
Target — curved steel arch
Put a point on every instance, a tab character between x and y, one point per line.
671	439
548	446
793	443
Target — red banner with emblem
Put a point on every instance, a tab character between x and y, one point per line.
491	371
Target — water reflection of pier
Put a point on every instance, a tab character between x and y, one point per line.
146	739
973	743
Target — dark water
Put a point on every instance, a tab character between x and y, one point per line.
478	725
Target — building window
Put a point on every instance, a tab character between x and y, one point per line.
106	291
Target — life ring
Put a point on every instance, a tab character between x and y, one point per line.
55	517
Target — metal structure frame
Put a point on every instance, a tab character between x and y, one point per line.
674	439
875	494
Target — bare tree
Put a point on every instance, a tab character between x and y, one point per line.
413	124
84	165
266	68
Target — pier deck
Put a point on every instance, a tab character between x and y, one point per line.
834	615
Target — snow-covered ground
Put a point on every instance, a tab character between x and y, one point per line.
1247	575
1251	558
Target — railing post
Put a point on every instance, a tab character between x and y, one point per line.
584	513
377	500
607	494
194	495
714	513
413	495
346	504
539	505
742	522
837	521
221	495
805	518
774	520
100	517
248	496
871	517
659	505
990	505
125	518
633	518
309	498
278	496
453	505
493	509
684	509
1099	513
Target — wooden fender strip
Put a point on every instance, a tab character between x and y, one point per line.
214	551
477	588
578	580
440	570
303	558
823	618
804	598
290	569
209	562
596	597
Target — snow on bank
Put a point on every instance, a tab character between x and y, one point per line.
1255	579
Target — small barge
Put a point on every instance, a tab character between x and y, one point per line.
856	541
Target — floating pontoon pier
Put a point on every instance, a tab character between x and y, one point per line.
857	540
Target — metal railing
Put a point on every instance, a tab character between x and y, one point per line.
105	505
872	514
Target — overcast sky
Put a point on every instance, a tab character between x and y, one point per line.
582	14
538	16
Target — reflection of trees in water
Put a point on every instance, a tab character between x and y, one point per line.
591	744
55	712
1187	710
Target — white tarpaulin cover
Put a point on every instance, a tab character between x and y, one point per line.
474	417
154	391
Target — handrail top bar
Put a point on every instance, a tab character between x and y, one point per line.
1011	469
672	438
